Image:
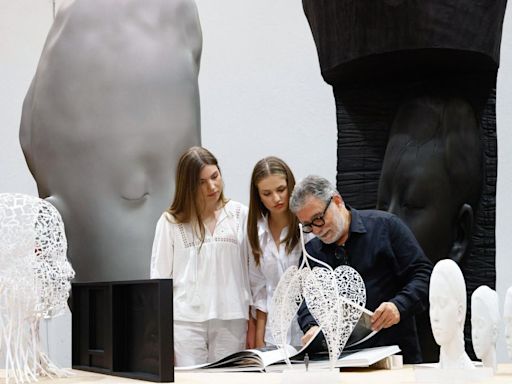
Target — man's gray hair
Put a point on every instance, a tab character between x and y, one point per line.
311	186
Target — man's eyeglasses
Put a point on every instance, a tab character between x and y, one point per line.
317	221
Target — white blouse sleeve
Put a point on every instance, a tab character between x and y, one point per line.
162	254
257	282
245	251
258	286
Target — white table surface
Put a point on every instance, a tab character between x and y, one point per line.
366	376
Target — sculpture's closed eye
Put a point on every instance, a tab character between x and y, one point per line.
141	198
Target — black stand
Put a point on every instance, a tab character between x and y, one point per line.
124	329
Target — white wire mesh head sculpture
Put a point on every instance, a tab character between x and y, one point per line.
34	282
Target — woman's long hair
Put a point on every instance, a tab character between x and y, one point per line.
265	167
185	207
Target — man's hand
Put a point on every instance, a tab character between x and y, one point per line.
309	334
385	316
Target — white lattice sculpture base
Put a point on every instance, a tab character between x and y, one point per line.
34	282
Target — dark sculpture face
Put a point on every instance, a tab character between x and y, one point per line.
416	187
431	174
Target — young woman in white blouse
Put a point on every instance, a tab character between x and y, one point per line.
273	234
200	242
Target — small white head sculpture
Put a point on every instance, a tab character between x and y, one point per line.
507	318
34	281
485	317
447	296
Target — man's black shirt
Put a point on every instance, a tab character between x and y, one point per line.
393	267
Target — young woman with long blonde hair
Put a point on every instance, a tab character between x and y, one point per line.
274	235
200	242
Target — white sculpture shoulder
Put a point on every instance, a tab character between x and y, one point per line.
447	296
507	318
485	318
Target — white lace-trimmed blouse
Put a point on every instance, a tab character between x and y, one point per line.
209	281
264	277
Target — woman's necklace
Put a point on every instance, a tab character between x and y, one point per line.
210	219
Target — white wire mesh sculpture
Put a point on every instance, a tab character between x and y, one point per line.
34	282
286	301
336	299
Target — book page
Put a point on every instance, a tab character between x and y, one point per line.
362	331
273	356
257	359
360	358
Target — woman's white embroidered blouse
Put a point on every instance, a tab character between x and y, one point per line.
265	277
210	281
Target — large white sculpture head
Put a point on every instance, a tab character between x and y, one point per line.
112	105
485	317
507	318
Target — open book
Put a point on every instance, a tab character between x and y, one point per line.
249	360
253	359
356	358
273	359
362	331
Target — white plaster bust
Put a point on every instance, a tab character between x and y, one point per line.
507	318
485	317
447	296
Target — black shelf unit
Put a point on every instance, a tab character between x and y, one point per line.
124	328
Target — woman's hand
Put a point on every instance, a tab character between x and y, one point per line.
250	340
260	343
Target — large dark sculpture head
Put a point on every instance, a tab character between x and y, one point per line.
432	173
113	103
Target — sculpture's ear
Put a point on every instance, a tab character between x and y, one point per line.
463	230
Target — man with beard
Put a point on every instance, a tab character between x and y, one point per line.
381	248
